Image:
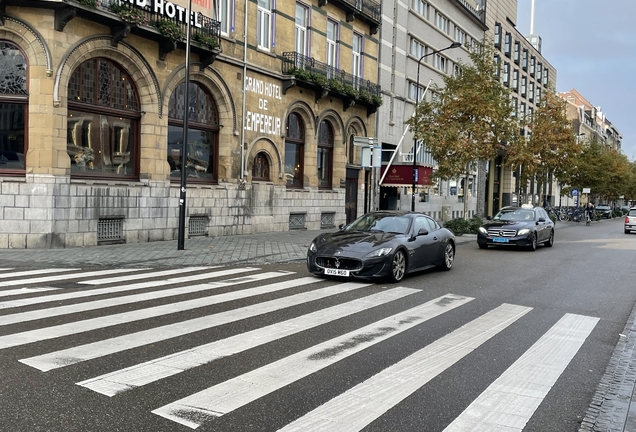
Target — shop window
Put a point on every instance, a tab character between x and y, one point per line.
325	154
260	170
203	133
103	121
294	151
13	109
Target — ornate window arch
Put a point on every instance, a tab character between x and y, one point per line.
203	134
14	104
294	150
260	169
324	160
103	121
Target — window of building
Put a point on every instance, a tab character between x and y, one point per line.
440	62
522	111
514	104
530	113
415	91
294	150
460	35
506	74
538	95
507	44
533	62
260	170
203	132
13	109
524	82
325	154
103	121
515	54
264	24
539	71
418	49
356	50
545	77
515	80
224	12
531	91
497	65
300	35
497	38
457	70
441	22
332	46
524	60
421	7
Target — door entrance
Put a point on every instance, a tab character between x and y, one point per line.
351	195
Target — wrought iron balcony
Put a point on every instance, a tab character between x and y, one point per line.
205	36
327	80
369	11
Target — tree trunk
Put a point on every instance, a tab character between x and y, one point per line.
466	191
481	188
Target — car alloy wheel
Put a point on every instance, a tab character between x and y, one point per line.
550	241
449	256
398	266
533	242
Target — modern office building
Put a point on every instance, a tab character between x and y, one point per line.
414	57
93	111
524	70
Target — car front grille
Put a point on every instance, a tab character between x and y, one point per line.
494	232
339	263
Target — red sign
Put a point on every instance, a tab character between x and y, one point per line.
403	175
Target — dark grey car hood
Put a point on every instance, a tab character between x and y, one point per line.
355	243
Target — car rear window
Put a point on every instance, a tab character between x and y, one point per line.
632	212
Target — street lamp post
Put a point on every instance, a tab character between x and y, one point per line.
417	90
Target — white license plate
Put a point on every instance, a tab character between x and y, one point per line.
336	272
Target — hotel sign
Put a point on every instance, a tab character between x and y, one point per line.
166	9
402	175
259	118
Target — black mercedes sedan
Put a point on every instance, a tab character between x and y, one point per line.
517	226
386	244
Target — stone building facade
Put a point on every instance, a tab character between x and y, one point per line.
92	112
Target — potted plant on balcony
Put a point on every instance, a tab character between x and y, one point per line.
376	100
89	3
350	91
365	96
320	80
129	15
300	73
169	29
207	40
336	85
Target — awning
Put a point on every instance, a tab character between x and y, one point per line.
402	175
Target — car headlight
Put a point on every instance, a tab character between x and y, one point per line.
379	252
313	248
523	231
483	230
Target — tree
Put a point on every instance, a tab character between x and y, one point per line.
469	118
550	147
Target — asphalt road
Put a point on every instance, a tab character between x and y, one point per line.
533	328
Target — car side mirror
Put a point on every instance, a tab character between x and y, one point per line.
488	217
341	226
422	231
541	219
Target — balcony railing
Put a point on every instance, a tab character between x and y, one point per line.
325	79
474	7
206	38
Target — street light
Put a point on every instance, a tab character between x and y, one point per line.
417	92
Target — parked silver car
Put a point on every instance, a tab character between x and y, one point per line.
630	221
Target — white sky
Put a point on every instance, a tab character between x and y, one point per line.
592	45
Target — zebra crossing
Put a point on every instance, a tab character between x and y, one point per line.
29	299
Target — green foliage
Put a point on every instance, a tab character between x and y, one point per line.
320	80
365	96
460	226
129	15
376	100
89	3
350	91
169	29
207	40
336	85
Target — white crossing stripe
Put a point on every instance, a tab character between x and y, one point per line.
122	288
225	397
128	278
19	291
70	276
31	336
145	373
33	272
118	301
359	406
511	400
90	351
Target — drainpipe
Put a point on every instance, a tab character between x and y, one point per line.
243	164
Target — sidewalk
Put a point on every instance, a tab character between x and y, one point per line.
272	247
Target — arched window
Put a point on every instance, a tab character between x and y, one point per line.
294	150
351	151
260	170
325	154
13	109
103	121
203	134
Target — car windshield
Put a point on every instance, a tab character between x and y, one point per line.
380	222
514	215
